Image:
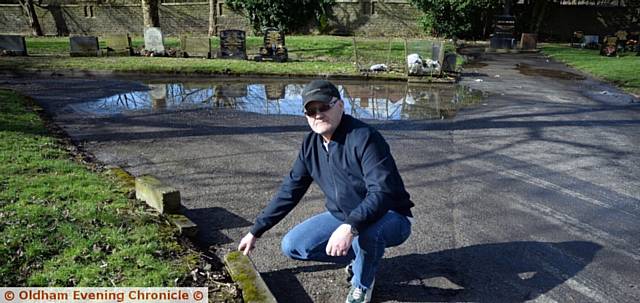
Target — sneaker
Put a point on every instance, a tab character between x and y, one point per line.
349	271
359	295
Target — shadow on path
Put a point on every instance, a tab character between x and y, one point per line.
498	272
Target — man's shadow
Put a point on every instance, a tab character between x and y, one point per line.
499	272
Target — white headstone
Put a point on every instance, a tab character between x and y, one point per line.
154	40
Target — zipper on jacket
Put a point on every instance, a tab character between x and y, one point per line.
333	177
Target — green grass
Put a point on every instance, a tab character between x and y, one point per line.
309	56
64	225
622	71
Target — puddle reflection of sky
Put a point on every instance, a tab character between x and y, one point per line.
394	101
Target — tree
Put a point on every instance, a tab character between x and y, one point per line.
150	13
448	18
29	8
287	15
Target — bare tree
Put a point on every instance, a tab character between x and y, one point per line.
150	13
29	8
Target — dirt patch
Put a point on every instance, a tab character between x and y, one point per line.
528	70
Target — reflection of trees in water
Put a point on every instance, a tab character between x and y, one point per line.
392	102
370	101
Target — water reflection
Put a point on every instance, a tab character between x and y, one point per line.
387	101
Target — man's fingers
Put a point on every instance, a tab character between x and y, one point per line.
247	249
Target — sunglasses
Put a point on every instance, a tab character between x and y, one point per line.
312	111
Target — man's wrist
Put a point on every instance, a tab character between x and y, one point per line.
354	231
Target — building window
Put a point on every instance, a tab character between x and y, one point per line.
220	11
86	11
373	8
91	12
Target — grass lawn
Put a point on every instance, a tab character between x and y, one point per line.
309	56
623	70
64	225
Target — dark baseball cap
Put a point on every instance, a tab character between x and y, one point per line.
321	91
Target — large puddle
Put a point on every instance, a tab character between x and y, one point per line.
365	100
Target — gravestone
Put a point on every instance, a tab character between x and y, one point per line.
13	45
84	46
528	41
437	52
609	47
503	32
118	44
577	39
591	41
233	44
449	64
154	40
195	46
273	46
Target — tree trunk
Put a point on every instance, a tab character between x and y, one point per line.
30	10
212	17
150	13
537	15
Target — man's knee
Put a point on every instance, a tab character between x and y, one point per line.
288	247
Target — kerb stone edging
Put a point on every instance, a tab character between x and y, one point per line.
245	274
164	198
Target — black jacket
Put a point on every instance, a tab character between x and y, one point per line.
357	175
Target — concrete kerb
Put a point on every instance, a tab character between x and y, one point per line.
245	274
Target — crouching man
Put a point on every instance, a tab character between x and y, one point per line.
368	208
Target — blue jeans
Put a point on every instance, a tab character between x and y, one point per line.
308	240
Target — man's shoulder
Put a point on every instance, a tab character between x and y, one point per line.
360	129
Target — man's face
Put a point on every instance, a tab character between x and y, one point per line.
324	123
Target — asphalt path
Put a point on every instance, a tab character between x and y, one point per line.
533	195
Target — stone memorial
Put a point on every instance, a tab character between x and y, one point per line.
195	46
118	44
273	46
233	44
84	46
591	41
154	41
502	37
609	47
13	45
528	41
449	63
577	39
437	52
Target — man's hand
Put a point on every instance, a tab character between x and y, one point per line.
340	241
247	244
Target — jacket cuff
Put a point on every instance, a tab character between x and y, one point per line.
355	225
256	231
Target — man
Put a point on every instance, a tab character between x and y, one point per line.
368	206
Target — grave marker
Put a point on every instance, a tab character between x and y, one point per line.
118	44
195	46
529	41
84	46
154	40
437	52
233	44
273	46
13	45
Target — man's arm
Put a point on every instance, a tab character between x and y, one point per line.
382	180
293	187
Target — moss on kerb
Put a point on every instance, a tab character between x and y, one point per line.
243	273
127	179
